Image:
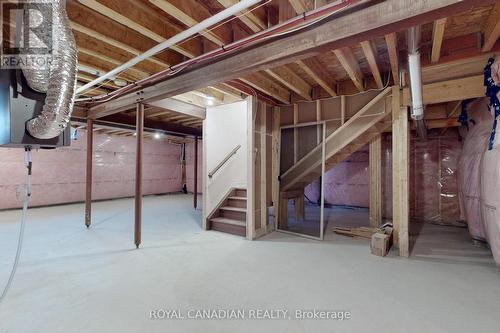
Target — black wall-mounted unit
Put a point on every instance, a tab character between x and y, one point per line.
18	104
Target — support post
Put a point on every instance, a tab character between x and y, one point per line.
88	177
376	181
275	164
400	173
138	173
195	180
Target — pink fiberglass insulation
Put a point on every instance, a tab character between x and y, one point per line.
433	181
469	166
490	197
190	167
59	175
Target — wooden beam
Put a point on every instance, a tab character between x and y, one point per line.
371	57
88	177
138	173
315	70
400	173
289	79
375	166
362	24
351	66
392	48
180	107
260	82
491	28
437	39
451	90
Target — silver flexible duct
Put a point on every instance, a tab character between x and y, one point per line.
415	71
59	81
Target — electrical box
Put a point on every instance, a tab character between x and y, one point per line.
19	104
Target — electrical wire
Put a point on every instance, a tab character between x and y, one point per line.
27	194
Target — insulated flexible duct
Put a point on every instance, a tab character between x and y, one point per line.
59	79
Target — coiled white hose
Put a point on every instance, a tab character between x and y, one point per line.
27	194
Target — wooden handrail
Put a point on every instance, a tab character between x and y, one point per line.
210	175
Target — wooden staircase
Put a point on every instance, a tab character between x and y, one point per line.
371	120
231	214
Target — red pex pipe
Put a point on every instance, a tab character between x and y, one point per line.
155	78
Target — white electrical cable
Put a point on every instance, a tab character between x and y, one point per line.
27	194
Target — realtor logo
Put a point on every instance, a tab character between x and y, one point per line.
26	34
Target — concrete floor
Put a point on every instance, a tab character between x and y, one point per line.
77	280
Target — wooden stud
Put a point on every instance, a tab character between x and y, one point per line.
295	133
437	39
491	29
195	180
342	109
88	178
251	110
275	164
371	56
392	48
138	173
400	173
351	66
375	166
263	167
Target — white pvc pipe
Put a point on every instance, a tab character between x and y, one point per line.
205	24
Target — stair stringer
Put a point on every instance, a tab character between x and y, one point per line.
355	133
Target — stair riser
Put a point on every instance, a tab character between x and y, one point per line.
240	216
228	228
237	203
240	193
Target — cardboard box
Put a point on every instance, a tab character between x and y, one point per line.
381	242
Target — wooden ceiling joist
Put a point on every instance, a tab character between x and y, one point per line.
292	81
315	70
371	57
392	48
101	27
353	27
260	82
98	36
491	28
437	39
146	23
351	66
190	13
251	20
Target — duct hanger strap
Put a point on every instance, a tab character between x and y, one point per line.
492	90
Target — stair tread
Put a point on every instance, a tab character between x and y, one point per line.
238	198
235	209
228	221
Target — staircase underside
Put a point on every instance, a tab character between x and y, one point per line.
373	119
